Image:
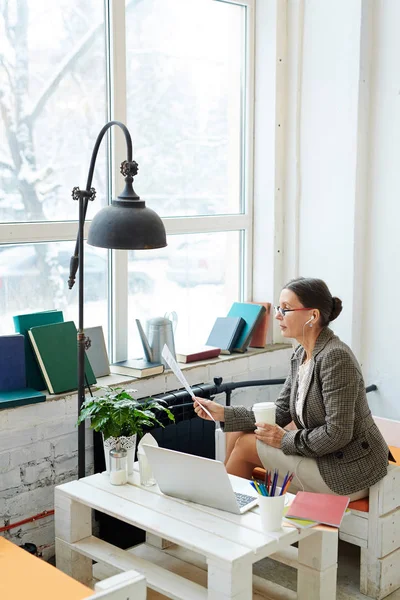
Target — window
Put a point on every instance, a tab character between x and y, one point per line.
187	103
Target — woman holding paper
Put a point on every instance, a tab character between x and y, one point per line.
324	429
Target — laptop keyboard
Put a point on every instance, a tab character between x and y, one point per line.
243	499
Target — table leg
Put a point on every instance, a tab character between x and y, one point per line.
157	541
229	580
73	522
317	566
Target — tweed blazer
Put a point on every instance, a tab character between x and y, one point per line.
339	431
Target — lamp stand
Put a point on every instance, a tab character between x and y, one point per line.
140	228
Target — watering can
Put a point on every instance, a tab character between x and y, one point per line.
159	331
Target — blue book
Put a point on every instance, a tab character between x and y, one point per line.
12	362
252	314
20	397
225	333
22	323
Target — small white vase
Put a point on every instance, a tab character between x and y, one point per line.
128	443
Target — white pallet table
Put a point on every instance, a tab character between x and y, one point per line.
229	543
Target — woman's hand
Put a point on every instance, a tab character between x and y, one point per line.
214	408
269	434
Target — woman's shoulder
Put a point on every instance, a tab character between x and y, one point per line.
337	351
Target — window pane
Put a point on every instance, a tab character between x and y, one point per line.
52	105
34	277
185	99
197	275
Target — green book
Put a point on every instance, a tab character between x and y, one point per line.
20	397
56	350
22	323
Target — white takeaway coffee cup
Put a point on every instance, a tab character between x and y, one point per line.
264	412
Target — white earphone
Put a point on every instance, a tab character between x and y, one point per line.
307	322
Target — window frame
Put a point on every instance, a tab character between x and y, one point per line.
55	231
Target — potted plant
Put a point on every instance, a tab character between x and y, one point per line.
120	418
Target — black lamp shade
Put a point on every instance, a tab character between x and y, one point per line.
127	225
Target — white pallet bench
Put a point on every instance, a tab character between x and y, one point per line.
377	532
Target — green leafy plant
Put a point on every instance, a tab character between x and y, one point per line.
116	413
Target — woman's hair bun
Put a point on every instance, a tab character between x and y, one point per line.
336	308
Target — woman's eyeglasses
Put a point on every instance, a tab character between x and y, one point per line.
282	311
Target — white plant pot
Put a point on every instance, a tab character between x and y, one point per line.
128	443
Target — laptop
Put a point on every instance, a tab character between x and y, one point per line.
197	479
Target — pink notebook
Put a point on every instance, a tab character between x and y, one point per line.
324	508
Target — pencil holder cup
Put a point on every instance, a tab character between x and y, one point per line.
271	511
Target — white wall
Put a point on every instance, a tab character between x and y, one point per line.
380	353
324	60
341	164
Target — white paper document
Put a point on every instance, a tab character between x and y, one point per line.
167	356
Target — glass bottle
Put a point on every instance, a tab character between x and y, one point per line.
118	465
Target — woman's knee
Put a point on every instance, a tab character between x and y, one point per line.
246	446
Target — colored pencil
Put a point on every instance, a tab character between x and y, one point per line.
274	482
284	483
257	487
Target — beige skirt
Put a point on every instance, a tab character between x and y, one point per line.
307	476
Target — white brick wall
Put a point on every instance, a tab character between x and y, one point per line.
38	443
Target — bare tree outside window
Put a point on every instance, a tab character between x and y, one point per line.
52	104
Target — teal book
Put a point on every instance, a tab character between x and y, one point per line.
20	397
252	315
22	323
56	350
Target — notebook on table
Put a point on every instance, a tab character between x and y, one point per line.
327	509
184	475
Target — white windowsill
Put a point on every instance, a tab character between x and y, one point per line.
116	380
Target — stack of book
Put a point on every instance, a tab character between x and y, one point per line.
22	324
136	367
311	508
246	322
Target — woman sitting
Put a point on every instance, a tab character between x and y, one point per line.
331	443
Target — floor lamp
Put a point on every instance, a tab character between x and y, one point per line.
126	224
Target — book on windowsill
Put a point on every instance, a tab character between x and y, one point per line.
12	362
200	353
252	315
20	397
136	367
259	336
323	508
22	323
56	351
97	351
225	333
